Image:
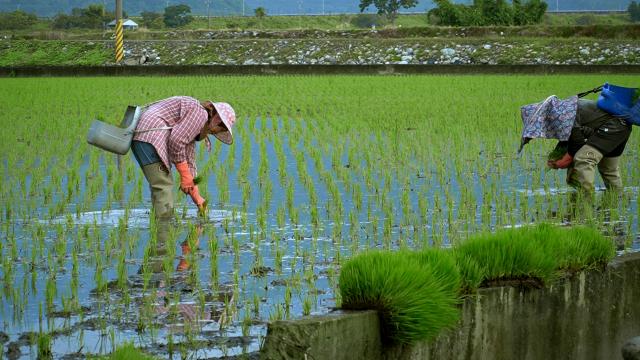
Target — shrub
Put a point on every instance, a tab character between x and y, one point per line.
367	20
412	302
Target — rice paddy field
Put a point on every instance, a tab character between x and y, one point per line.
322	168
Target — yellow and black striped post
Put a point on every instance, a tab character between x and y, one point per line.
119	32
119	41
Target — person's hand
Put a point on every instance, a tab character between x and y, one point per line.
195	196
186	179
561	163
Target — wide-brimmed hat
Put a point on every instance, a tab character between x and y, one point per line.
228	117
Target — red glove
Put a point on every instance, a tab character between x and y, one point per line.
186	179
195	196
561	163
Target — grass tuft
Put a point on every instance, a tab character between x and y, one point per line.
412	302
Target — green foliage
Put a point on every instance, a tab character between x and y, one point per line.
93	16
368	20
488	12
389	8
16	20
177	15
634	11
260	12
412	301
152	20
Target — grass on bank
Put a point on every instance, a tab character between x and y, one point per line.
417	293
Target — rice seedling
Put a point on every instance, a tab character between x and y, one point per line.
412	303
306	187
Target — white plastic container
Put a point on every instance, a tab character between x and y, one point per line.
113	138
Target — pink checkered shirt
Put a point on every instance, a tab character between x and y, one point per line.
186	117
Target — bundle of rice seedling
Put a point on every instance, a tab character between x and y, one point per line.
574	248
509	255
412	300
558	152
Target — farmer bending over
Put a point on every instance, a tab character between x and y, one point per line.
597	140
166	135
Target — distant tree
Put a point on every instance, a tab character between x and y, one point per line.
389	8
16	20
445	13
634	11
495	12
260	12
534	11
488	12
151	20
93	16
177	15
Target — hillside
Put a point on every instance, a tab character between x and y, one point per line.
274	7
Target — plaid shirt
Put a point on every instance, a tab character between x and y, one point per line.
186	117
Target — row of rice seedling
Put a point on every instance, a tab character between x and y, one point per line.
418	293
322	168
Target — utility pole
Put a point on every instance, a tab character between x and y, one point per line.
242	7
119	32
322	7
208	15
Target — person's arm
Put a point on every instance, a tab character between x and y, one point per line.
193	117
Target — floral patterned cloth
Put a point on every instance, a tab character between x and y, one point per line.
551	119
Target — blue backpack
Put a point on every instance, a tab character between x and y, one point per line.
621	101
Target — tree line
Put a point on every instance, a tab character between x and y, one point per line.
445	12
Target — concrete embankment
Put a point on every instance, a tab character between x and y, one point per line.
204	70
587	316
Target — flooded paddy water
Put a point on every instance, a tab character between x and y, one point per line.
322	168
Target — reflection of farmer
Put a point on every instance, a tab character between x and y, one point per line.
597	140
166	135
589	138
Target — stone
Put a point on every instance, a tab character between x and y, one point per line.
486	46
13	351
143	59
131	61
406	58
584	51
448	52
631	349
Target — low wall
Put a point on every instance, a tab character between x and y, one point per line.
589	316
180	70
